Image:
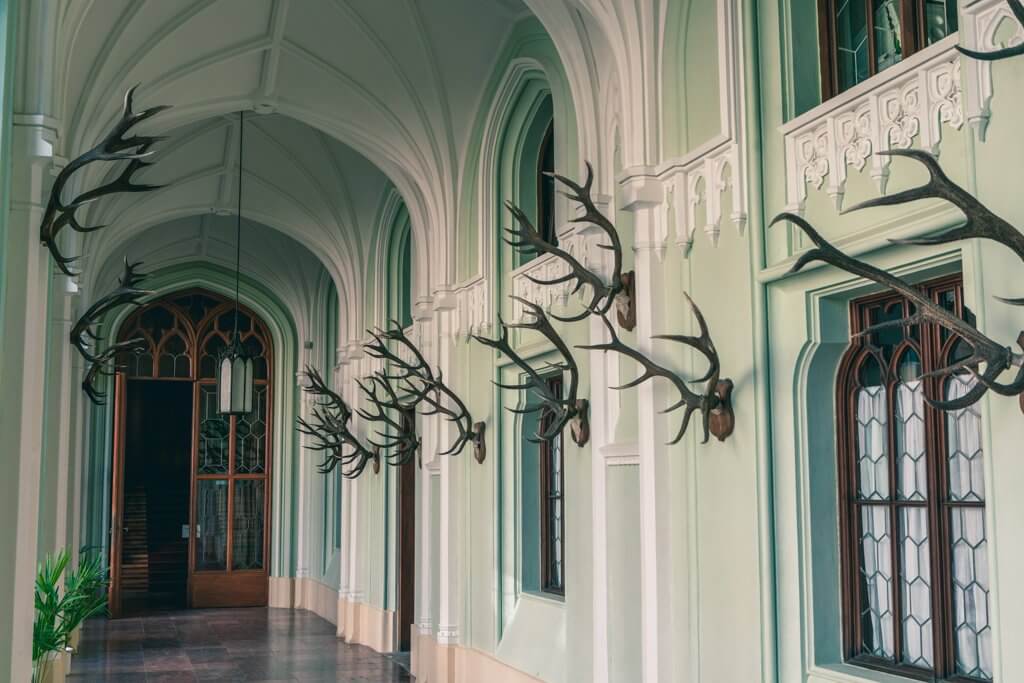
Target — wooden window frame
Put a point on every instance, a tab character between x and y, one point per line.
913	37
547	499
938	503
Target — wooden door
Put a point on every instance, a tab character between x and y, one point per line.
230	503
230	460
406	552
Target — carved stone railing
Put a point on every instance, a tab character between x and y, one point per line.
983	22
906	105
472	309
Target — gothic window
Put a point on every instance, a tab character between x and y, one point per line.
859	38
912	498
552	512
546	187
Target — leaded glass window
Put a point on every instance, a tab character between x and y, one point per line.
916	584
552	484
860	38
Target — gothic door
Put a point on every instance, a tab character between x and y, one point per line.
229	461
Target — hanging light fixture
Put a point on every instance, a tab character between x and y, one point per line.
235	366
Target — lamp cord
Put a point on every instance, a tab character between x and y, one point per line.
238	227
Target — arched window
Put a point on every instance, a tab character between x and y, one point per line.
546	187
400	269
912	498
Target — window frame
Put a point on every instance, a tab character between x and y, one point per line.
546	223
913	37
547	498
933	348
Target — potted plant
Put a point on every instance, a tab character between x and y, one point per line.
60	610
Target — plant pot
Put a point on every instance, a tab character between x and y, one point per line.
53	669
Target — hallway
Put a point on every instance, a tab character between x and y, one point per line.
251	644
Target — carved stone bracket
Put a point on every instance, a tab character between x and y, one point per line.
905	106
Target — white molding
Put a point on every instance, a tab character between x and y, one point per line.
980	22
906	105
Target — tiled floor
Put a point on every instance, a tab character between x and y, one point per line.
255	644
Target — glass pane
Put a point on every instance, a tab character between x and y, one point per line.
963	443
888	49
554	520
910	441
251	436
872	443
972	630
247	536
916	588
211	523
213	433
174	358
851	42
876	582
208	360
940	19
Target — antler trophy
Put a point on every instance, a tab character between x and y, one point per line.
619	292
401	439
714	403
84	335
427	388
114	147
555	410
330	430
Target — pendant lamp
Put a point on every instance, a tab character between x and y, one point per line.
235	365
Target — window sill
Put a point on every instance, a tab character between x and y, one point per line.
542	597
849	673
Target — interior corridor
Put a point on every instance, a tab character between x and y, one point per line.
245	644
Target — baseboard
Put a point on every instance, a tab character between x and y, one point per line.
357	622
433	662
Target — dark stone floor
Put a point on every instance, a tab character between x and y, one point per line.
255	644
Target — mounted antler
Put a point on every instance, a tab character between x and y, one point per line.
401	438
84	334
555	411
619	292
114	147
427	388
996	357
1018	11
330	430
714	403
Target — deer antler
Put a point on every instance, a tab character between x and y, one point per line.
981	222
556	412
402	440
114	147
996	357
127	293
526	239
427	388
330	430
714	400
1018	11
84	334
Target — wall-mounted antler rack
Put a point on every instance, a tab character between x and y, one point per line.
981	223
84	335
427	389
714	403
330	430
398	439
618	292
114	147
555	410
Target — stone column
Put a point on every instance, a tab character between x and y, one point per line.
26	279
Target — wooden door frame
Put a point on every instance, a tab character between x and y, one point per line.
406	594
117	493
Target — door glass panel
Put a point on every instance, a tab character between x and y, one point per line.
213	433
247	538
251	436
211	524
852	42
888	49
